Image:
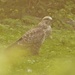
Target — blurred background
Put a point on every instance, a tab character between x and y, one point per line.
57	55
62	11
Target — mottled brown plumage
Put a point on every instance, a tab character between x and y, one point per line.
33	39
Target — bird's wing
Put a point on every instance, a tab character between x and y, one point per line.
34	35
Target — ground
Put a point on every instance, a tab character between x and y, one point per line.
56	56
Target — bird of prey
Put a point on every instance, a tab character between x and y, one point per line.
34	38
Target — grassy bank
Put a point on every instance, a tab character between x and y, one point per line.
56	56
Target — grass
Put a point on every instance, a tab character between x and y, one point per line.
56	56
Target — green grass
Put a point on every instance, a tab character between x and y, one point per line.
56	56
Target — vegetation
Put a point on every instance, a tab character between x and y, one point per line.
56	56
19	8
62	11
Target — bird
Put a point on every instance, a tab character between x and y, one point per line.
35	37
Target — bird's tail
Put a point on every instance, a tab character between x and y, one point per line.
14	45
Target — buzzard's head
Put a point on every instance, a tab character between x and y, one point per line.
47	19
